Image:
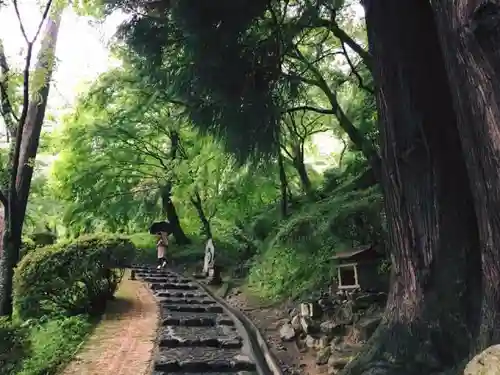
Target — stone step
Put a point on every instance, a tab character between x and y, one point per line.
253	372
186	301
192	308
170	318
202	360
222	337
164	279
180	294
154	271
174	286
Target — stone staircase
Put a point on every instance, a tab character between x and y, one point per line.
196	335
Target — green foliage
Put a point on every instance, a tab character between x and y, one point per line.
13	346
298	258
70	278
53	343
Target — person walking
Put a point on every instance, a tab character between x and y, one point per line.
161	249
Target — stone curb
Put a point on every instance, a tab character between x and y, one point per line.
265	360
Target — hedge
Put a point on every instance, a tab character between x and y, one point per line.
71	278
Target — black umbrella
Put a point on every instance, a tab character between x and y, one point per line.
160	226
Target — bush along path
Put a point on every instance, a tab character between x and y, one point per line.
198	334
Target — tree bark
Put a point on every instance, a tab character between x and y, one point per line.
173	218
28	147
205	223
283	185
432	307
470	37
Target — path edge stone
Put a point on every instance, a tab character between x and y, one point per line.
264	359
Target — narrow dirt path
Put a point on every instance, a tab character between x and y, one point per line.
123	342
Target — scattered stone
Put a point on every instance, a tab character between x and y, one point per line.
287	333
311	342
307	324
323	356
330	327
367	326
338	362
323	342
296	323
485	363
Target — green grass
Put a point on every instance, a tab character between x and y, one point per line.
41	347
54	343
296	258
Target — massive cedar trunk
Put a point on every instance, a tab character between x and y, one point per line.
470	37
22	161
172	217
433	301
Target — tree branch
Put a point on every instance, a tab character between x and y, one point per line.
324	111
334	27
355	72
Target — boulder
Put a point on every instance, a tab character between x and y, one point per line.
364	328
287	333
311	342
338	361
485	363
322	356
330	328
307	324
296	323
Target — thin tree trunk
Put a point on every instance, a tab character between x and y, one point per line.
434	297
470	38
173	218
205	223
283	185
28	147
298	162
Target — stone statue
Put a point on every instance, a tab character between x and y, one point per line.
209	261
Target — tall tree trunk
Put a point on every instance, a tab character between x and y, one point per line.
172	217
300	166
23	166
283	185
205	223
434	297
470	37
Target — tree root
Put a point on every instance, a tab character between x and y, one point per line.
400	350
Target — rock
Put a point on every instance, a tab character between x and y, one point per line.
293	312
338	362
366	327
307	324
296	323
322	356
345	313
485	363
323	342
330	328
287	333
310	342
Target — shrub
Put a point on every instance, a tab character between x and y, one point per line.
43	238
71	278
298	258
53	343
13	347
